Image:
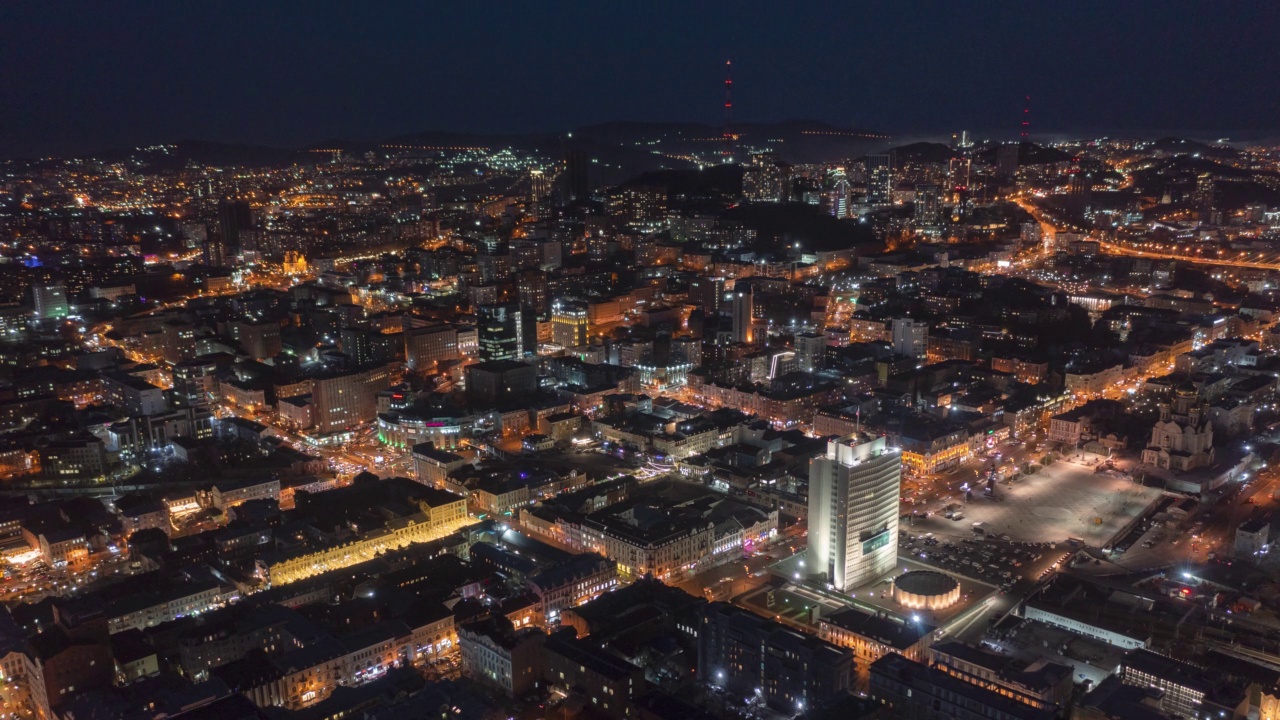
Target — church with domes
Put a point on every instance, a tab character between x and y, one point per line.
1183	438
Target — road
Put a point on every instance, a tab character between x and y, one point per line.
1117	249
1269	261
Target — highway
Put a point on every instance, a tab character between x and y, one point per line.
1268	261
1117	249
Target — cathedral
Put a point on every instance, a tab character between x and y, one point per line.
1183	438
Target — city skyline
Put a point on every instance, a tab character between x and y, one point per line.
567	409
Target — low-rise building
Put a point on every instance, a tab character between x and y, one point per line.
918	692
1042	683
228	494
1253	537
432	466
572	583
138	512
1186	690
74	459
146	610
133	394
872	636
605	682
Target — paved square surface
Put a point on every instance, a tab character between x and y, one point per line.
1066	499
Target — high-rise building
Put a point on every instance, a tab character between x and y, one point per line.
789	671
841	203
708	293
531	288
539	194
810	351
1007	159
1204	195
425	348
958	173
1079	190
764	179
342	401
569	323
1031	233
50	301
500	332
234	219
638	207
365	346
194	234
928	205
213	250
259	340
910	337
743	309
576	173
853	511
178	341
879	179
194	382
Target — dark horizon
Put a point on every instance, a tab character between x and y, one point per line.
85	80
979	137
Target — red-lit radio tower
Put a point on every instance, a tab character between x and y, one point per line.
1026	120
728	111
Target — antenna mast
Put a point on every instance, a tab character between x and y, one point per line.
728	111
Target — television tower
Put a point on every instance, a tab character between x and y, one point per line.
1026	120
728	111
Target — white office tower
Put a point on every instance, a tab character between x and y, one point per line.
810	348
910	337
853	511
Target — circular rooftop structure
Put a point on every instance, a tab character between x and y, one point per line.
926	590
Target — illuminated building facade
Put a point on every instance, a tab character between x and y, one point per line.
853	511
569	323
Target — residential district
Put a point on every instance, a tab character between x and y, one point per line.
641	424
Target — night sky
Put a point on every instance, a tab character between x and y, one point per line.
82	76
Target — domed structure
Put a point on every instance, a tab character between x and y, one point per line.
926	590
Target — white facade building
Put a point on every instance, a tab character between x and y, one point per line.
910	337
853	511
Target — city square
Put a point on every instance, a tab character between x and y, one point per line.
1067	499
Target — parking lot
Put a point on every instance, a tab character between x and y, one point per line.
1064	500
1000	564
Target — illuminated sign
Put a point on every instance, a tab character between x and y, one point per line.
875	542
